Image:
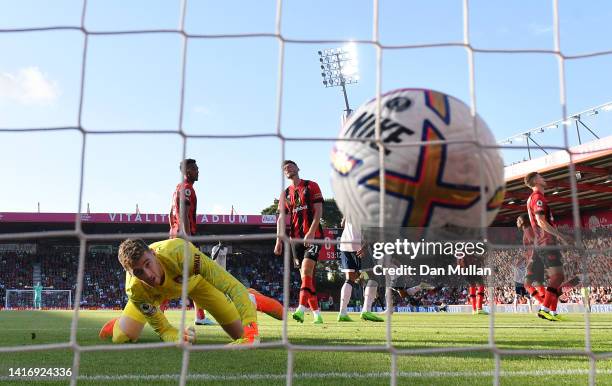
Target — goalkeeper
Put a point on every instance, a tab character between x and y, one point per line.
37	295
155	273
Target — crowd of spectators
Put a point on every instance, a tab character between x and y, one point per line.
104	278
597	295
265	274
15	271
595	259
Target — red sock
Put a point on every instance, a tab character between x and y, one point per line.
535	293
304	296
553	304
480	296
305	292
550	298
313	301
472	294
307	282
200	313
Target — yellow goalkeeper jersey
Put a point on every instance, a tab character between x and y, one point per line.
171	255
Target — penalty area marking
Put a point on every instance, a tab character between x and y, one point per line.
332	375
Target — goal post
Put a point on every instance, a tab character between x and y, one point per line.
24	298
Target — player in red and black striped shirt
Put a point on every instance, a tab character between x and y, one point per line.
533	282
188	221
304	205
545	233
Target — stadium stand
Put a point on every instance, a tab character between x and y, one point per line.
255	266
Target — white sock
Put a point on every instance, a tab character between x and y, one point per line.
345	296
316	313
301	308
369	296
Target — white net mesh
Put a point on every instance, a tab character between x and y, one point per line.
284	343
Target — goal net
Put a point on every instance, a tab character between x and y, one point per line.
62	298
26	299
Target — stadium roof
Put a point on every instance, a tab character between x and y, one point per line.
593	165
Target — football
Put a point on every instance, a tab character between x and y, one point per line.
435	158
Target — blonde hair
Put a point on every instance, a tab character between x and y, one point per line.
130	251
529	179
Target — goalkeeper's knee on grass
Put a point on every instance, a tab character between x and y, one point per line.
112	329
118	335
250	335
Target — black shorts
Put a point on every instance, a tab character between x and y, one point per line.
476	261
550	258
520	290
349	262
535	270
540	262
300	252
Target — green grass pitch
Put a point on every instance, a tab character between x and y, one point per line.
268	366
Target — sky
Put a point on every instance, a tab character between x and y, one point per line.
132	82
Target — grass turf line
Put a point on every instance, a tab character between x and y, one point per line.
521	331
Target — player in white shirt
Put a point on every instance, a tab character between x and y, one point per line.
520	270
351	252
219	255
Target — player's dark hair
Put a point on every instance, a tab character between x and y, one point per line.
130	251
525	218
187	162
529	179
287	162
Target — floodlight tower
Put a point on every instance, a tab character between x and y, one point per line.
339	68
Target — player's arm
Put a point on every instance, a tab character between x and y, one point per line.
546	227
364	248
361	253
278	247
317	202
185	225
318	207
160	324
158	321
183	196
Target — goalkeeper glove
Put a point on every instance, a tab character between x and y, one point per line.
189	335
250	335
